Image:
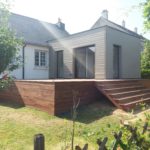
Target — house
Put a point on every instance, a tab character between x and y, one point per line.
105	51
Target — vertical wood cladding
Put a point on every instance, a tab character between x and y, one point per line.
95	37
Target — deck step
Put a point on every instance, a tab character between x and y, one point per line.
124	89
118	85
130	93
116	82
110	85
128	106
133	98
124	94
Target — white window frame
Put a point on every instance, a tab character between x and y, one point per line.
39	59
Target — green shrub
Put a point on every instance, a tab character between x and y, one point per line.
145	73
5	82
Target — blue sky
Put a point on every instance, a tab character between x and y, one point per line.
79	15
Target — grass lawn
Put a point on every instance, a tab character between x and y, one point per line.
18	125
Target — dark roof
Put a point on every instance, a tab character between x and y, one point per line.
35	31
105	22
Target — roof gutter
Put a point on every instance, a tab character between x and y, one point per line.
36	44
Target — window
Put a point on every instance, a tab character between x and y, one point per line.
40	58
36	58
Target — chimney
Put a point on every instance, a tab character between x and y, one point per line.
136	30
123	23
60	24
104	14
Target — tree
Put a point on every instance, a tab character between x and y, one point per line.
146	14
145	60
9	43
145	56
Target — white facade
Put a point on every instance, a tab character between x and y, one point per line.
30	70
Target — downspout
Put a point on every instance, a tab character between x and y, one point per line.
49	63
23	61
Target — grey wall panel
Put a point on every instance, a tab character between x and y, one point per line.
130	54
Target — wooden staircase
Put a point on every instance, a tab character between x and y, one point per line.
124	94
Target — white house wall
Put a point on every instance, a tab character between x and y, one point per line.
93	37
130	54
30	71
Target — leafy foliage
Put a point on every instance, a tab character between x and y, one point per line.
132	136
146	14
145	57
5	83
145	61
9	44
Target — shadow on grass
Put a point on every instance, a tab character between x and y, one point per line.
91	112
11	104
